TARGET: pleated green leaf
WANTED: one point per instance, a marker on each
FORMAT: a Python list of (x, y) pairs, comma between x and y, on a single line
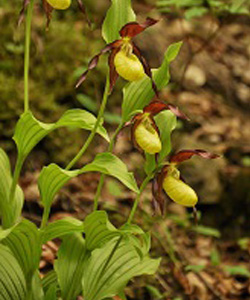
[(24, 242), (29, 131), (50, 181), (138, 94), (52, 178), (37, 290), (70, 265), (50, 285), (12, 279), (109, 164), (119, 14), (49, 280), (98, 230), (51, 293), (166, 122), (111, 267), (60, 228), (9, 214)]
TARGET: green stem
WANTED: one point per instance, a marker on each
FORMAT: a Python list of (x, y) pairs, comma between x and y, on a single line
[(7, 222), (137, 199), (85, 146), (45, 217), (101, 182), (27, 55), (17, 172), (93, 132)]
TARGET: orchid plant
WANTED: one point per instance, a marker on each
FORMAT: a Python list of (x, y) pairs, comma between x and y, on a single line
[(95, 259)]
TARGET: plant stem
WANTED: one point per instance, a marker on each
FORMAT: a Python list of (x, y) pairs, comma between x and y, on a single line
[(17, 171), (137, 199), (27, 55), (45, 217), (93, 132), (18, 167), (101, 182)]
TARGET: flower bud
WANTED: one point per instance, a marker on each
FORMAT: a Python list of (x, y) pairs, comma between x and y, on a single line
[(59, 4), (128, 66), (179, 191), (147, 137)]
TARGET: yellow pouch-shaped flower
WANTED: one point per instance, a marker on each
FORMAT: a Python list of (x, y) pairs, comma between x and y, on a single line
[(147, 137), (179, 191), (59, 4), (128, 66)]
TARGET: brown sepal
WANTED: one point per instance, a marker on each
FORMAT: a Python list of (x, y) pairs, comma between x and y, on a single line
[(22, 12), (83, 10), (136, 121), (146, 67), (157, 106), (187, 154), (113, 75), (48, 9), (133, 28), (94, 61), (157, 189)]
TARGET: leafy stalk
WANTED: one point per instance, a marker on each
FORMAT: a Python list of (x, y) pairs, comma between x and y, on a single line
[(93, 132), (27, 54), (85, 146), (20, 161), (137, 199), (101, 182)]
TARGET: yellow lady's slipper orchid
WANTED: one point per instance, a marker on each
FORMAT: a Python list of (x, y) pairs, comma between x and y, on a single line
[(59, 4), (170, 180), (147, 137), (128, 66), (125, 57), (179, 191)]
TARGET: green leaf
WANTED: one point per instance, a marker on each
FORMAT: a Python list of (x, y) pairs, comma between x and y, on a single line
[(9, 214), (195, 12), (154, 292), (52, 178), (206, 231), (50, 181), (244, 243), (37, 290), (50, 285), (69, 266), (60, 228), (110, 164), (111, 267), (237, 270), (131, 229), (29, 131), (5, 232), (194, 268), (98, 230), (12, 279), (49, 280), (138, 94), (215, 257), (24, 242), (119, 14), (166, 122), (51, 293)]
